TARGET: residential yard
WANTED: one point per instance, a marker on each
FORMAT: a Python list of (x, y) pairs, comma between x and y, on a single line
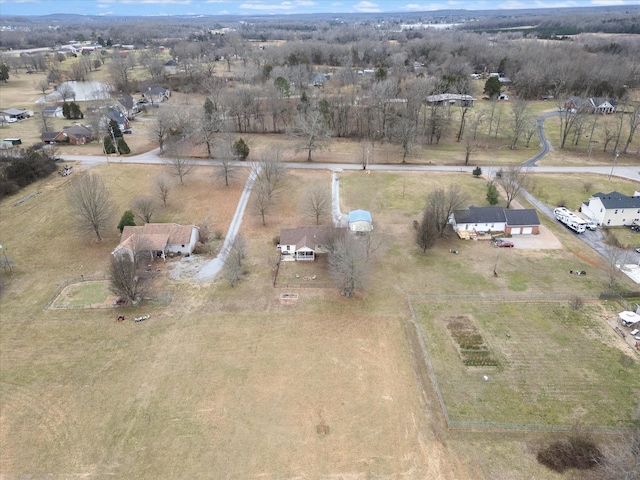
[(229, 379)]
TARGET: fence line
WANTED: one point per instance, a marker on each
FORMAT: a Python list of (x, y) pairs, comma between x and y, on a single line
[(411, 326), (515, 297), (71, 281)]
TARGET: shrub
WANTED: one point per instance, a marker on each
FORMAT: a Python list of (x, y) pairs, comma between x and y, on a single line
[(575, 452), (23, 167)]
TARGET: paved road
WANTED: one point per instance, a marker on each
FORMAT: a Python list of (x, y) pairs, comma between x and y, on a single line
[(212, 268)]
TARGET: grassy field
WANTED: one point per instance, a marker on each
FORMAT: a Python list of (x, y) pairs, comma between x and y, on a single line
[(552, 365)]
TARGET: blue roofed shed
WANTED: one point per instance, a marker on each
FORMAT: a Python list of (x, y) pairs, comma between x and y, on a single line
[(360, 221)]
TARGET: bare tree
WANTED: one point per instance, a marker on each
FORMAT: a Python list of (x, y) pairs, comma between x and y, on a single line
[(441, 203), (45, 126), (513, 180), (621, 459), (405, 133), (43, 85), (317, 202), (144, 208), (163, 187), (225, 170), (179, 165), (270, 177), (66, 92), (616, 258), (349, 264), (161, 127), (469, 143), (126, 280), (90, 201), (312, 131), (262, 201), (520, 117), (634, 121), (233, 264), (427, 230)]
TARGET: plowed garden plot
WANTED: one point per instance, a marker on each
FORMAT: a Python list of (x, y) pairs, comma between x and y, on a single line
[(553, 365)]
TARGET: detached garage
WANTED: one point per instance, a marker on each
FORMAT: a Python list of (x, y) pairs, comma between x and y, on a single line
[(522, 222)]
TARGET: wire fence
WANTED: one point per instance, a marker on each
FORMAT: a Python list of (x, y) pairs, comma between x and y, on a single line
[(72, 281), (423, 363)]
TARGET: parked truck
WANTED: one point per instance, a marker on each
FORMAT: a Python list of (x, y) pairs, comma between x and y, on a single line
[(570, 219)]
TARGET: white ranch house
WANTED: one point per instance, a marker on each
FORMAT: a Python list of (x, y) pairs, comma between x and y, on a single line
[(613, 209), (304, 243), (476, 221)]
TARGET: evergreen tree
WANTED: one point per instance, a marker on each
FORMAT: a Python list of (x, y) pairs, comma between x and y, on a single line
[(114, 129), (241, 149), (74, 111), (492, 194), (107, 144), (123, 148), (127, 220), (66, 110), (477, 172), (4, 73), (492, 87)]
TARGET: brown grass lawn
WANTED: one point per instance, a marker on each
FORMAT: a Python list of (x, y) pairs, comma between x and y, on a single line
[(230, 381)]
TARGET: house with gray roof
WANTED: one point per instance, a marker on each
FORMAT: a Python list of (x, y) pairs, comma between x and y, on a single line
[(481, 220), (304, 243), (613, 209)]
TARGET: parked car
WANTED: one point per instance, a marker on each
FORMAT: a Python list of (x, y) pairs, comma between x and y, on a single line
[(638, 249), (501, 242)]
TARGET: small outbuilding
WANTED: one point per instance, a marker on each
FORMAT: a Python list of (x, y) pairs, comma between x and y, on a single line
[(360, 221)]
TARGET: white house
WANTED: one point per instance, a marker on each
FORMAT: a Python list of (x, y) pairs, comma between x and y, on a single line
[(456, 99), (158, 239), (304, 243), (52, 111), (480, 220), (613, 209), (360, 221)]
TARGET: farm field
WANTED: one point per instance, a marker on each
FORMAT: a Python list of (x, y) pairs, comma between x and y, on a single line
[(546, 364), (232, 380)]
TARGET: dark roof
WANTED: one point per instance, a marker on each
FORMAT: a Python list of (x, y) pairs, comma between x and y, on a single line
[(171, 63), (157, 90), (522, 217), (49, 136), (517, 217), (617, 200), (127, 102), (53, 108), (115, 115), (480, 215), (78, 131)]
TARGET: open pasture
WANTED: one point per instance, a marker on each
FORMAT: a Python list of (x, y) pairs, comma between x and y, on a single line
[(553, 365)]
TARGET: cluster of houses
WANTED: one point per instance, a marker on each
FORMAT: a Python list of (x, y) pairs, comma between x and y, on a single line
[(121, 111), (603, 106)]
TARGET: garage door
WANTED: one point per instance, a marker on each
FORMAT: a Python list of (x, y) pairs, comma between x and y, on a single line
[(527, 230), (515, 231)]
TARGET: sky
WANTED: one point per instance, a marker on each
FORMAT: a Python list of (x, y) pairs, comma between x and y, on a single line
[(270, 7)]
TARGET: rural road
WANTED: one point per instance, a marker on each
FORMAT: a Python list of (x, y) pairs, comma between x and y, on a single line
[(211, 269)]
